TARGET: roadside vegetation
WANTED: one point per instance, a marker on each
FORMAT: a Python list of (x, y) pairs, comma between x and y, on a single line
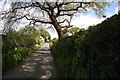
[(92, 53), (79, 53), (18, 45)]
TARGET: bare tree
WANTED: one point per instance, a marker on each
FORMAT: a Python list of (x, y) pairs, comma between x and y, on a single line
[(58, 14)]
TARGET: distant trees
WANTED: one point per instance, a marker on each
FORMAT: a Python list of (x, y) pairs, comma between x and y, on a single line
[(29, 30), (45, 35), (25, 37)]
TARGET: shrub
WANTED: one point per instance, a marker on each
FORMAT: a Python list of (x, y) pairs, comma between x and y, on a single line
[(98, 51), (64, 51), (10, 60), (94, 54)]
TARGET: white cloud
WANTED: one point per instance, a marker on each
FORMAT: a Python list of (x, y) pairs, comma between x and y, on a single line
[(85, 21), (4, 6), (53, 34), (109, 14), (117, 9)]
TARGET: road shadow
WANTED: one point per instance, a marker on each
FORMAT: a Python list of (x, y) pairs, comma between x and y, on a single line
[(40, 65)]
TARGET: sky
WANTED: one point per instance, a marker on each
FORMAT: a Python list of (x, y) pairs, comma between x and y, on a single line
[(86, 20), (82, 21)]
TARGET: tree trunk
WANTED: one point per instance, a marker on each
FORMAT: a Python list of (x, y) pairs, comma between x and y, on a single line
[(57, 26), (60, 34)]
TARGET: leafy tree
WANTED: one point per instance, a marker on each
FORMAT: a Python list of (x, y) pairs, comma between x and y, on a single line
[(30, 30), (66, 34), (54, 40), (54, 13), (45, 34), (8, 42), (73, 30)]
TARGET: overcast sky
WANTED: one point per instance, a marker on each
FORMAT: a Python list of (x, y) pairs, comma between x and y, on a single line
[(82, 21)]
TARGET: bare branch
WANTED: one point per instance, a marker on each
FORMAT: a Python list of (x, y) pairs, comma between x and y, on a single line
[(64, 21), (66, 26), (64, 15), (37, 20), (76, 9), (43, 7)]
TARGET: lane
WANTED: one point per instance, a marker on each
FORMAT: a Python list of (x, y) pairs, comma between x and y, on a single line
[(39, 65)]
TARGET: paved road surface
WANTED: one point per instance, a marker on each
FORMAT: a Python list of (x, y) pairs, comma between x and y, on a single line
[(39, 65)]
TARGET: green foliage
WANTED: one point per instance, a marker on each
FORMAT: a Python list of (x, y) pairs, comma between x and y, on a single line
[(10, 60), (65, 35), (51, 44), (45, 35), (8, 44), (61, 50), (54, 40), (74, 30), (94, 54), (17, 45), (30, 30)]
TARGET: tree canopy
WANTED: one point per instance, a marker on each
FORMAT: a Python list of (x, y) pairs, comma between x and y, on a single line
[(58, 14)]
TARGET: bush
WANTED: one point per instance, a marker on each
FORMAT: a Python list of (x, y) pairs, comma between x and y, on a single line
[(11, 60), (64, 51), (98, 51), (94, 54), (17, 45)]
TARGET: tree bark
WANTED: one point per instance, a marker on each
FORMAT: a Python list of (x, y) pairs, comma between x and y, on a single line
[(57, 26)]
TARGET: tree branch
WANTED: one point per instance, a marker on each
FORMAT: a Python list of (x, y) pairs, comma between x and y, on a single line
[(37, 20), (76, 9), (25, 16), (64, 15), (43, 7), (63, 21)]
